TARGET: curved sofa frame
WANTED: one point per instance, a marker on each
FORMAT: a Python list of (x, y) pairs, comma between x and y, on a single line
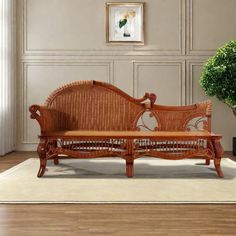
[(91, 119)]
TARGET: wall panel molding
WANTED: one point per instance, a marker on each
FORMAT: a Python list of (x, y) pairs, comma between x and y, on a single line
[(216, 19), (190, 37), (110, 49), (169, 63), (189, 82)]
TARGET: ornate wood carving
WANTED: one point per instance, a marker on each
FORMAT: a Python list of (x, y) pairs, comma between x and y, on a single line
[(147, 122), (42, 151), (218, 154)]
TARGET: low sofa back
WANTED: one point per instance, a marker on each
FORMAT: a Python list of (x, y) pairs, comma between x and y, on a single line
[(183, 118)]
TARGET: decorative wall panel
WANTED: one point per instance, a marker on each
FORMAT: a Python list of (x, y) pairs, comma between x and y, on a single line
[(211, 24), (78, 27), (163, 78)]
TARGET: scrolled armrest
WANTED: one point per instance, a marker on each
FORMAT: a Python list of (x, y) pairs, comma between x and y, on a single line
[(33, 110), (48, 119)]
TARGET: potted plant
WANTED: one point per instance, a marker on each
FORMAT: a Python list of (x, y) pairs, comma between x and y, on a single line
[(218, 77)]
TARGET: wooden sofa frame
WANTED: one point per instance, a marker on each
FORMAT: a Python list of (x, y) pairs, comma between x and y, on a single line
[(91, 119)]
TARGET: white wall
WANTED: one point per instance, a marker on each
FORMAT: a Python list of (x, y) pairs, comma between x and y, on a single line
[(64, 40)]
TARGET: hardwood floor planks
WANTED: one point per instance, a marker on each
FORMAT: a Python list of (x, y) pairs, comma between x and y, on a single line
[(117, 219)]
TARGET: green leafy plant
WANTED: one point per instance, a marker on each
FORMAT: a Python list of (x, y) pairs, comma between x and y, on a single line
[(122, 23), (218, 77)]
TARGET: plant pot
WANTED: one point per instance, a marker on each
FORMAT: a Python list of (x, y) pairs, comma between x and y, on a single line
[(234, 146)]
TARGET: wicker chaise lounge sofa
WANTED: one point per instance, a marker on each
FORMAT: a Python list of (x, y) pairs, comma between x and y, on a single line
[(91, 119)]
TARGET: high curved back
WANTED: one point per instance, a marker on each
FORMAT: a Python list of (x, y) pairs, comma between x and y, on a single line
[(94, 105)]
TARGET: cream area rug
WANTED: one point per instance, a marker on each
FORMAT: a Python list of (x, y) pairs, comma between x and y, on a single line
[(104, 181)]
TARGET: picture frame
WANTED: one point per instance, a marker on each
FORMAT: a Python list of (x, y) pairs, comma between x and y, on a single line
[(124, 23)]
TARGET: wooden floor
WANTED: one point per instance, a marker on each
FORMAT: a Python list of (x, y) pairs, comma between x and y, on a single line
[(113, 219)]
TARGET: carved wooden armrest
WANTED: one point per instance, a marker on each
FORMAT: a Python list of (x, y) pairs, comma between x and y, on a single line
[(48, 119)]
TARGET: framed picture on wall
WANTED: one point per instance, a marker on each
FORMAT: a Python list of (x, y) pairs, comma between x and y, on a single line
[(124, 23)]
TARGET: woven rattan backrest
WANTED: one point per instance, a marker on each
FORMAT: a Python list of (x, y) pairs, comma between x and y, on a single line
[(93, 105), (182, 118)]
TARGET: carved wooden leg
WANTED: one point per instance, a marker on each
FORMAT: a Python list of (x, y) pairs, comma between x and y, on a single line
[(130, 168), (55, 160), (43, 163), (218, 153), (129, 158), (209, 146), (218, 168), (207, 162), (42, 157)]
